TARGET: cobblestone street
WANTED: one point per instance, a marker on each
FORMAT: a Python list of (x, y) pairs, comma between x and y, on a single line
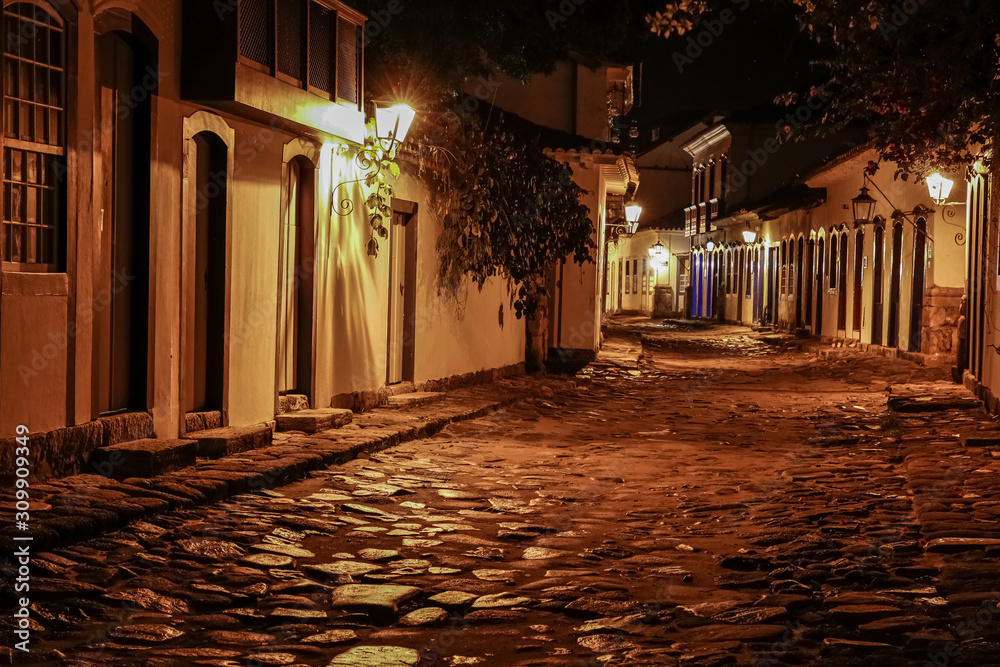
[(698, 496)]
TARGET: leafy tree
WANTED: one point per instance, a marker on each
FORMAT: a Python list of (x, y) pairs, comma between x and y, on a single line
[(508, 209), (920, 74)]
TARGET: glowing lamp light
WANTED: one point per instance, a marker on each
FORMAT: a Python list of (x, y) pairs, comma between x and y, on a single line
[(939, 188), (633, 212), (658, 252), (710, 246), (864, 206), (749, 236), (393, 123)]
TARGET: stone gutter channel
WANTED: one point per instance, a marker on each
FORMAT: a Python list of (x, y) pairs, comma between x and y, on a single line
[(72, 509)]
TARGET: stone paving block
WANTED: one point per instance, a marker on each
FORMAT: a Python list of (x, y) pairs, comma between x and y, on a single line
[(145, 458), (313, 421), (218, 442)]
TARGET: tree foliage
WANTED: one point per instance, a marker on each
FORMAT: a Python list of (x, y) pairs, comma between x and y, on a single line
[(920, 74), (508, 209), (453, 41)]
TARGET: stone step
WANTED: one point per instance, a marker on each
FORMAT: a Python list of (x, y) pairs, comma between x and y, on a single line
[(414, 399), (218, 442), (292, 403), (313, 421), (144, 458), (202, 421)]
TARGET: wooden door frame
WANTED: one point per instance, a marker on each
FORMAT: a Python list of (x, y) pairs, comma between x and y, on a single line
[(919, 270), (410, 210), (878, 284), (298, 149), (144, 44), (193, 125), (896, 286)]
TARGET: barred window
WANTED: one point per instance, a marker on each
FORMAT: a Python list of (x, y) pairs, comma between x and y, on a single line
[(349, 42), (291, 40), (311, 41), (257, 31), (34, 140), (320, 47)]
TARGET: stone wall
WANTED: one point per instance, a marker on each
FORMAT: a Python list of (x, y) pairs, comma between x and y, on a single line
[(940, 320)]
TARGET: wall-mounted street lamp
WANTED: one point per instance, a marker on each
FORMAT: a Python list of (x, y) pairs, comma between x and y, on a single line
[(710, 246), (939, 188), (863, 206), (626, 226), (749, 235), (376, 161), (658, 254), (392, 123)]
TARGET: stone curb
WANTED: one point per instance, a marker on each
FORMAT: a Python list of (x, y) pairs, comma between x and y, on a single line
[(70, 510)]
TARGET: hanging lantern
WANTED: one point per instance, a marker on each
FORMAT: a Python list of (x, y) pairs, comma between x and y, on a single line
[(864, 207)]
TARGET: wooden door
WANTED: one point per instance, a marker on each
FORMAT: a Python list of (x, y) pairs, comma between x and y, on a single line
[(917, 289), (878, 259), (842, 284), (859, 281), (205, 331), (402, 293), (820, 284), (295, 294), (895, 276), (799, 278), (808, 279), (121, 322)]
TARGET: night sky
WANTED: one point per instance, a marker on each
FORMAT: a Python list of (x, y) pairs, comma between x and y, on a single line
[(760, 54)]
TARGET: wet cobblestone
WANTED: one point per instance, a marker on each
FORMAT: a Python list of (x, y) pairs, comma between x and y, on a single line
[(680, 502)]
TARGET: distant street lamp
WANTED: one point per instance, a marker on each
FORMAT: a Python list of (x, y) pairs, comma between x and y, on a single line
[(864, 207), (710, 246), (749, 235), (939, 188), (658, 252)]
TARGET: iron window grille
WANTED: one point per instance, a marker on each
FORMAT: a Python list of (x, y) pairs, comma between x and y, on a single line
[(307, 43)]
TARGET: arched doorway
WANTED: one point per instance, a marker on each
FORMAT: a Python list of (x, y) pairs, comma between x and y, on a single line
[(878, 258), (809, 265), (895, 276), (842, 284), (741, 281), (205, 333), (709, 284), (917, 292), (799, 278), (758, 289), (297, 263), (772, 296), (125, 55), (859, 281), (695, 285), (820, 284)]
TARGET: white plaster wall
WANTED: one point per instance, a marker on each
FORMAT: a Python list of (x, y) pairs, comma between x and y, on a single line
[(455, 334)]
